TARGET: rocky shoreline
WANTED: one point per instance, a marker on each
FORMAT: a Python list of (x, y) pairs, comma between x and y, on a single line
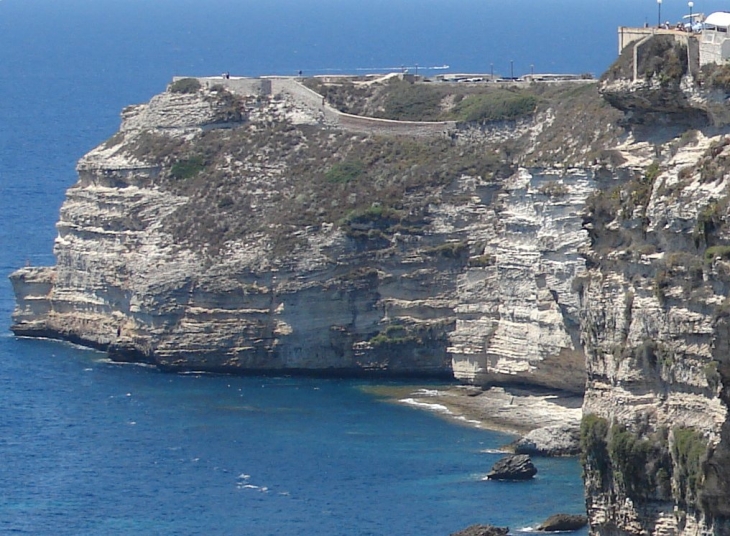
[(520, 411)]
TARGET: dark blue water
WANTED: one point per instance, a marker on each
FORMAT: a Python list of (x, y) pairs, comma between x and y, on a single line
[(92, 448)]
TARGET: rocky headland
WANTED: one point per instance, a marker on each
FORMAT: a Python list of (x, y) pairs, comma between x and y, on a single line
[(568, 237)]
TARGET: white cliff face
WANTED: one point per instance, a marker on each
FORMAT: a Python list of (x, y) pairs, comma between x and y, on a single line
[(516, 317), (655, 336), (203, 236), (478, 284)]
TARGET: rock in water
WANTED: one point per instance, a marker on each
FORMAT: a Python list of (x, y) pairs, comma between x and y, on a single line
[(482, 530), (563, 522), (513, 467)]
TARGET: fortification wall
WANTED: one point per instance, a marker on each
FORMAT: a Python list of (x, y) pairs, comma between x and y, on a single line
[(306, 98), (689, 40), (242, 86), (314, 103), (371, 125), (628, 36), (356, 123)]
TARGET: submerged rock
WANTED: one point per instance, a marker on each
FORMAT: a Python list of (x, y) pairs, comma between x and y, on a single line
[(482, 530), (513, 467)]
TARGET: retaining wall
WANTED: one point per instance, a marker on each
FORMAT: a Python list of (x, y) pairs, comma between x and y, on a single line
[(243, 86), (372, 125), (314, 103)]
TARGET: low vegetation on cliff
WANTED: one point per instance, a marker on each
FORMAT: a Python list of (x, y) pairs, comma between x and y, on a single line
[(372, 186), (662, 465)]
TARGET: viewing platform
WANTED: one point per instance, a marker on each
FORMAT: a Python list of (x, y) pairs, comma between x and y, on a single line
[(707, 39)]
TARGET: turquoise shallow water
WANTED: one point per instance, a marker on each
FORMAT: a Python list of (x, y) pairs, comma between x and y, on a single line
[(93, 448)]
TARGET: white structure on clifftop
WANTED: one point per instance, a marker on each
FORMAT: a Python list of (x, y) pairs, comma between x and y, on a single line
[(715, 41), (710, 45)]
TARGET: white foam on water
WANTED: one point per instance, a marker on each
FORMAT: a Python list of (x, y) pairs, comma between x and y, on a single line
[(493, 451), (427, 392), (439, 408), (107, 361), (470, 421)]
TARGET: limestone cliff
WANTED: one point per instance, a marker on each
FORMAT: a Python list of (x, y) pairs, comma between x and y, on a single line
[(531, 235), (654, 320), (245, 225)]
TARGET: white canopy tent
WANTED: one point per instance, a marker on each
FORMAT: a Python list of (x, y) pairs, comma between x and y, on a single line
[(719, 19)]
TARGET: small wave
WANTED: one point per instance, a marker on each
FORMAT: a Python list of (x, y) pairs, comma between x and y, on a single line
[(427, 392), (107, 361), (439, 408), (195, 373), (261, 489), (527, 529), (492, 451), (243, 476), (469, 421)]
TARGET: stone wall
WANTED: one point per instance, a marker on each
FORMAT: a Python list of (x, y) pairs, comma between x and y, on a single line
[(314, 105)]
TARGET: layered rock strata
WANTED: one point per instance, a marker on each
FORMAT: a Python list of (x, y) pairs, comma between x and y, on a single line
[(196, 238), (654, 326), (468, 275)]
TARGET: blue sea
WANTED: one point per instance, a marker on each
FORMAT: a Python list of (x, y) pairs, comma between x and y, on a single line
[(88, 447)]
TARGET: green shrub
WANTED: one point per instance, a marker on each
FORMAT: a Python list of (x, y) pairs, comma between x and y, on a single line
[(412, 102), (594, 447), (689, 450), (553, 189), (499, 105), (662, 281), (449, 250), (710, 220), (482, 261), (713, 252), (629, 458), (392, 335), (188, 168), (664, 59), (642, 187), (712, 375), (185, 85), (716, 76), (344, 171)]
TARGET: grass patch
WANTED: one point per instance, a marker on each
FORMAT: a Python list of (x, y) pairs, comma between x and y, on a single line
[(412, 102), (500, 105)]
